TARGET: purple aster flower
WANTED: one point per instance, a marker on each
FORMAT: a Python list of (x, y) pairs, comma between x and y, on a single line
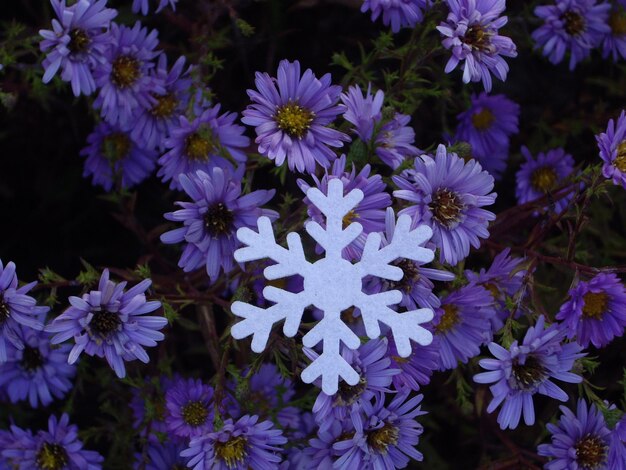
[(595, 311), (580, 441), (386, 436), (56, 448), (372, 364), (397, 13), (162, 456), (415, 370), (364, 112), (328, 446), (416, 284), (448, 194), (461, 325), (523, 370), (394, 141), (144, 6), (124, 78), (487, 126), (77, 42), (614, 43), (577, 25), (38, 372), (612, 145), (190, 409), (542, 175), (370, 212), (152, 395), (394, 138), (292, 121), (210, 140), (110, 323), (16, 308), (152, 126), (471, 32), (238, 445), (267, 394), (503, 279), (112, 156), (211, 220)]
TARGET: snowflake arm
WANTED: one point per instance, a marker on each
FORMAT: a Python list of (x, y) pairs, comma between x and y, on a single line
[(262, 244), (404, 326), (404, 244), (330, 365), (258, 322)]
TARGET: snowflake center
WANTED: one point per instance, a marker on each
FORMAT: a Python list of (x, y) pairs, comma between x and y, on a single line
[(410, 275), (595, 304), (573, 22), (294, 119), (529, 374), (478, 38), (31, 359), (115, 146), (198, 146), (104, 323), (381, 439), (5, 312), (446, 207), (617, 22), (620, 158), (218, 220), (195, 413), (483, 119), (543, 179), (334, 285), (349, 394), (124, 71), (51, 457), (233, 451), (165, 105), (79, 41), (449, 318), (590, 452)]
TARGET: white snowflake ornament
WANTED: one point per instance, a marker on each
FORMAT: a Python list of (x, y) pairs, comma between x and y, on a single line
[(333, 284)]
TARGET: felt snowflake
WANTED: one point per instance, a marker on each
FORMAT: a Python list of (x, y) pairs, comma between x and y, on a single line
[(333, 284)]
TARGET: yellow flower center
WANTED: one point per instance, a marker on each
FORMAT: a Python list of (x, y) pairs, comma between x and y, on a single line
[(446, 207), (5, 313), (115, 146), (79, 41), (198, 147), (620, 159), (477, 38), (165, 105), (348, 394), (51, 457), (232, 452), (449, 318), (349, 218), (528, 374), (483, 119), (617, 22), (195, 413), (124, 71), (591, 452), (381, 439), (543, 179), (595, 304), (218, 220), (574, 22), (104, 323), (294, 119)]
